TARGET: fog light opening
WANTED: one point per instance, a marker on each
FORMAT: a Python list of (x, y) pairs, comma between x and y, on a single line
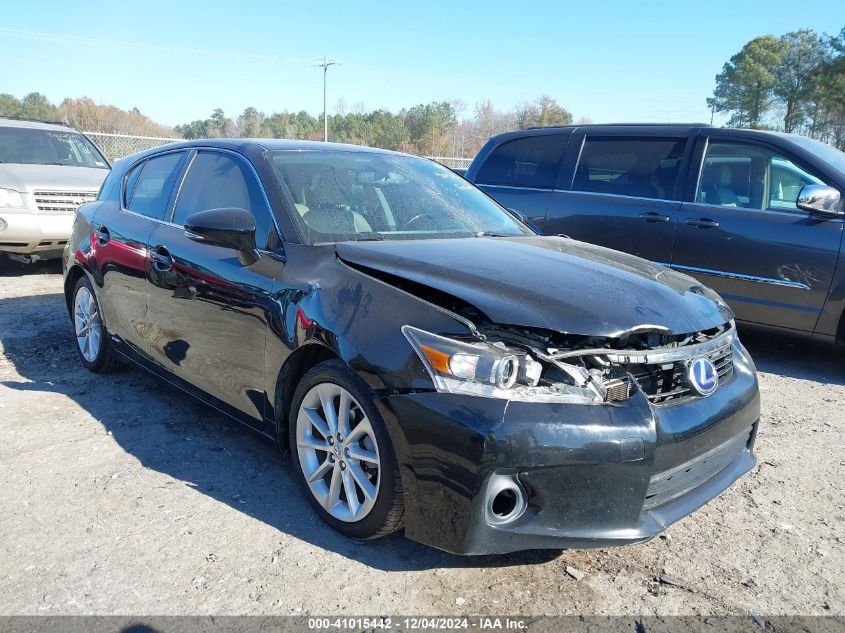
[(504, 504), (506, 500)]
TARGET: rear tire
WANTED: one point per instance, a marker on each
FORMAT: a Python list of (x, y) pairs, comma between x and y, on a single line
[(344, 459), (92, 339)]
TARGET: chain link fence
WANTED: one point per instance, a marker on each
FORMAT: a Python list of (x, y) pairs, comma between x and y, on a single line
[(452, 162), (116, 146)]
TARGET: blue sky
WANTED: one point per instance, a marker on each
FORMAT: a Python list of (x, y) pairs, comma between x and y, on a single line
[(176, 61)]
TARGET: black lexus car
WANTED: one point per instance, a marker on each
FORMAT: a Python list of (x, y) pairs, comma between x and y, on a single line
[(431, 362)]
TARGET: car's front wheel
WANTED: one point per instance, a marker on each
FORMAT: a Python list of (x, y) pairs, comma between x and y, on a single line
[(92, 340), (343, 453)]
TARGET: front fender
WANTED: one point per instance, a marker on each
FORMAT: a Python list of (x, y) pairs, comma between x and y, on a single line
[(356, 316)]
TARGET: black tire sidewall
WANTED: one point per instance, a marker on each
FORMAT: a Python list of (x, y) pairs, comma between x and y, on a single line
[(338, 373)]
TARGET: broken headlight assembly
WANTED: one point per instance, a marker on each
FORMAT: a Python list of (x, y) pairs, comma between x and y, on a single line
[(493, 370)]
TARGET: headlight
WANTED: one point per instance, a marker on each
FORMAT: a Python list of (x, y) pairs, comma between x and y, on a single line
[(10, 198), (491, 370)]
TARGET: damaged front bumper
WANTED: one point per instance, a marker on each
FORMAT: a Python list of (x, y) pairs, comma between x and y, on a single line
[(588, 475)]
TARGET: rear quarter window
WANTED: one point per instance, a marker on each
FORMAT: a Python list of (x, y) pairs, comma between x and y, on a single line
[(151, 193), (131, 179), (533, 161)]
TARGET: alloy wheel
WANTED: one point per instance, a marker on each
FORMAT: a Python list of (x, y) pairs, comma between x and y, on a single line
[(87, 324), (338, 452)]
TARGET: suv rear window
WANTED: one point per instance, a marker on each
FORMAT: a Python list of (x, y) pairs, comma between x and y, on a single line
[(637, 167), (532, 161)]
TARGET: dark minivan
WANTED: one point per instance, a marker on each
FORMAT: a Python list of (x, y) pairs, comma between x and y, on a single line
[(755, 215)]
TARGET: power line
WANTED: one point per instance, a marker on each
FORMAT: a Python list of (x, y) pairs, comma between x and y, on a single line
[(165, 48)]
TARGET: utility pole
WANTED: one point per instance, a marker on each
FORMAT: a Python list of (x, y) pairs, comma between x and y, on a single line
[(325, 63)]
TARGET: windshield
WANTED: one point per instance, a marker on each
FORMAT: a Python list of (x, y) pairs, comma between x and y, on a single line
[(30, 146), (343, 196), (828, 153)]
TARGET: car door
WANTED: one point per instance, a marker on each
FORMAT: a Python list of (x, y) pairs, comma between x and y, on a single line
[(208, 312), (621, 191), (520, 173), (742, 234), (121, 234)]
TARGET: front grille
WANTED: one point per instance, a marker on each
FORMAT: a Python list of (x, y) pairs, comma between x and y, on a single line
[(62, 201), (667, 383), (672, 483)]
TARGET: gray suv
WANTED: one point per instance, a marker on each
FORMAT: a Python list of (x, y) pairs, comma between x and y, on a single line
[(46, 171)]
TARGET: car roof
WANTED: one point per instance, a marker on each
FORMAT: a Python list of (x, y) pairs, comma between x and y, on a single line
[(242, 144), (10, 121), (646, 129), (604, 128), (251, 146)]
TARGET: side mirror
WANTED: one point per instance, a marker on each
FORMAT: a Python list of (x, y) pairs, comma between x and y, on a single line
[(229, 228), (819, 200)]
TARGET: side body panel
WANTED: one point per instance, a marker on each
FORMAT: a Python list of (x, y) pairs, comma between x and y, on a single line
[(831, 324), (119, 262), (208, 317)]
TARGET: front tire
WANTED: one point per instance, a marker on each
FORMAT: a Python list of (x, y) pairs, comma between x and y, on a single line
[(92, 339), (343, 454)]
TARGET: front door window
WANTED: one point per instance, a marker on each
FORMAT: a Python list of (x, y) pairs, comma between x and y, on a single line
[(750, 177)]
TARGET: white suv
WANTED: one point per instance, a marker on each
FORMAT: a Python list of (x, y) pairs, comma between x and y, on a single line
[(46, 171)]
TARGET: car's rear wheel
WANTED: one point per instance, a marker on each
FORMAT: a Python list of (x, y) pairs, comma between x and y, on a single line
[(343, 454), (92, 341)]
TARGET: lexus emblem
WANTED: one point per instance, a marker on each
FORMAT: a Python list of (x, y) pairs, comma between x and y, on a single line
[(702, 376)]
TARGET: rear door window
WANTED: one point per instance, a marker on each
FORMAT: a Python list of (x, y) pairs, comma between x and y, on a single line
[(626, 166), (151, 193), (533, 161)]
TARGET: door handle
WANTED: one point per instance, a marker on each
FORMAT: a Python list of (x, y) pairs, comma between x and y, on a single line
[(161, 259), (702, 223), (102, 233), (651, 216)]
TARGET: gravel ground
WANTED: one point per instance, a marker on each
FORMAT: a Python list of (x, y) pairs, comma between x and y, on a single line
[(121, 495)]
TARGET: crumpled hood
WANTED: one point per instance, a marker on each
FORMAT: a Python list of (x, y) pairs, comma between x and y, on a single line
[(29, 178), (549, 282)]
